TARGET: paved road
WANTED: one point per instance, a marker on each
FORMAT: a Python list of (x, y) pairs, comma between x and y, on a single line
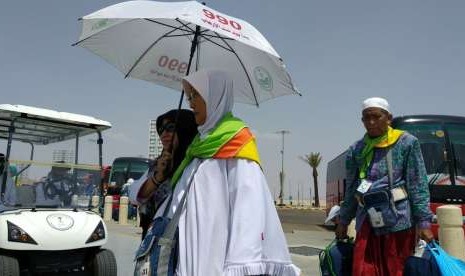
[(304, 234), (301, 219)]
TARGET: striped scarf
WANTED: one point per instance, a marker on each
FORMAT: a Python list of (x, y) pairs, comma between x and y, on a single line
[(389, 138), (231, 138)]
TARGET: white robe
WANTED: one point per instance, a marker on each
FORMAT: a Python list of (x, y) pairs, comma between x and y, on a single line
[(229, 225)]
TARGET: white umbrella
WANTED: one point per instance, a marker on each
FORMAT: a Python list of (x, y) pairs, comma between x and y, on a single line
[(160, 41)]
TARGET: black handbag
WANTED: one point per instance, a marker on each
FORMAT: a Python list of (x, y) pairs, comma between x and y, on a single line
[(336, 258), (424, 266), (379, 204), (380, 208)]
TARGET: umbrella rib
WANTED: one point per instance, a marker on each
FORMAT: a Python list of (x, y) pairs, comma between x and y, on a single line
[(217, 44), (243, 67), (214, 36), (189, 28), (147, 50), (178, 35), (147, 19), (171, 26), (205, 34)]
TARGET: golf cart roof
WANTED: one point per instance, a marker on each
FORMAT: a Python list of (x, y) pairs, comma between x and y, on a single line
[(44, 126)]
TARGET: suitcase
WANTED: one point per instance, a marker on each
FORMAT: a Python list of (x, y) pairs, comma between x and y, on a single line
[(336, 258)]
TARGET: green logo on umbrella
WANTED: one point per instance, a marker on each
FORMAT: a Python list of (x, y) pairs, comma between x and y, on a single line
[(100, 24), (263, 78)]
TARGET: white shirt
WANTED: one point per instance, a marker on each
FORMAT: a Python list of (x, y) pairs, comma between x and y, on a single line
[(229, 225)]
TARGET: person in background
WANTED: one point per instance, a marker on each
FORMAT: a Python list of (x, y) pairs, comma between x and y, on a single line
[(228, 224), (88, 184), (390, 213), (333, 215), (56, 188), (126, 187), (146, 192)]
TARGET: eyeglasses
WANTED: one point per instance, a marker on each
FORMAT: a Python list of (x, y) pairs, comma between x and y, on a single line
[(372, 117), (170, 127)]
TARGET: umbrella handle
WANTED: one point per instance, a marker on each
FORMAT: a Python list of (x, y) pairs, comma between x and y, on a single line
[(193, 47)]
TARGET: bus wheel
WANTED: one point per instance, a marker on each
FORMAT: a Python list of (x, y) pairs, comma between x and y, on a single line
[(9, 266), (104, 263)]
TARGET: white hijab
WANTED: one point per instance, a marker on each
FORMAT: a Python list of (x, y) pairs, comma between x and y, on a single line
[(216, 88)]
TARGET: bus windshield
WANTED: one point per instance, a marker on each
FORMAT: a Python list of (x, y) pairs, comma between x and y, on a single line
[(124, 168), (443, 147)]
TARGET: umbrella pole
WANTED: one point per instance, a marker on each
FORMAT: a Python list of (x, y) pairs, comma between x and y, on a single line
[(193, 47)]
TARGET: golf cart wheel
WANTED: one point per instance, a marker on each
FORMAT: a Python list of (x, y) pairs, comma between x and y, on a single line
[(9, 266), (104, 263)]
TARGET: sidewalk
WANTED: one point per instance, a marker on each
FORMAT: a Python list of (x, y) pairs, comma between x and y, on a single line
[(308, 244), (303, 245)]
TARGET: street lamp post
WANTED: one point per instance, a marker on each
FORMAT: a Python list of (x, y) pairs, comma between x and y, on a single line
[(281, 174)]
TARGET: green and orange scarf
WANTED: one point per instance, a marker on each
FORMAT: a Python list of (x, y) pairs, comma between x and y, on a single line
[(231, 138)]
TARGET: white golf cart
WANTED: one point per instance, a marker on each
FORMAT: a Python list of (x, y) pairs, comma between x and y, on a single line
[(49, 219)]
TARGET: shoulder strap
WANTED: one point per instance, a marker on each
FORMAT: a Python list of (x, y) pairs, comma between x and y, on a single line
[(389, 167), (173, 224), (167, 240), (168, 205)]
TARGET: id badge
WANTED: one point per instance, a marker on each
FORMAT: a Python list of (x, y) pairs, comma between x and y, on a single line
[(364, 186)]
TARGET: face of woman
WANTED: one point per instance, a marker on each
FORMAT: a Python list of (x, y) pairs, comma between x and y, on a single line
[(166, 132), (197, 104), (376, 121)]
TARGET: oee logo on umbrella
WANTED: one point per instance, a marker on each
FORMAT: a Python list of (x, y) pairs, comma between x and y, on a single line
[(172, 64)]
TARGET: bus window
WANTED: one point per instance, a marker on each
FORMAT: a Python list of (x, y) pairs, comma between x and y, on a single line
[(433, 147), (124, 168), (457, 139), (137, 169)]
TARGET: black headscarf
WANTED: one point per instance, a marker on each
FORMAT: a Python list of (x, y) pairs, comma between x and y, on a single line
[(186, 129)]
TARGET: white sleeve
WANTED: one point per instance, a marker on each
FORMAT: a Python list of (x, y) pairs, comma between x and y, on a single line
[(257, 242)]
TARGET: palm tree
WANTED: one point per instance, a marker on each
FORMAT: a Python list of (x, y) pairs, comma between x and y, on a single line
[(314, 159)]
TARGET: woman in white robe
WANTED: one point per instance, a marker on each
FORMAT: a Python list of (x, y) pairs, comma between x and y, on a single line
[(229, 224)]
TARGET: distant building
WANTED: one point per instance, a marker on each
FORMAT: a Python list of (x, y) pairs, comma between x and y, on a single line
[(155, 146)]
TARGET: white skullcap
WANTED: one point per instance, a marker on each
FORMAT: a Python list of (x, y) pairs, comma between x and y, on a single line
[(334, 212), (376, 102)]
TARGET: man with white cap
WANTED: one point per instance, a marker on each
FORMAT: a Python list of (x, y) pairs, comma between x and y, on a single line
[(387, 192), (333, 216)]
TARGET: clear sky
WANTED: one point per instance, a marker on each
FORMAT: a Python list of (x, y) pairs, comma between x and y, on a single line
[(338, 52)]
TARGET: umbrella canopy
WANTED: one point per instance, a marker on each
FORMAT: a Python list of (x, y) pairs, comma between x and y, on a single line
[(160, 42)]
